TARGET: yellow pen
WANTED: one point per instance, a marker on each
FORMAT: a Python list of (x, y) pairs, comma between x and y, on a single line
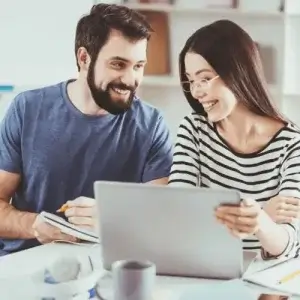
[(63, 208), (289, 277)]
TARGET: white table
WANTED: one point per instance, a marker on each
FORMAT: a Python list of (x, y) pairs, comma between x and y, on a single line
[(28, 262)]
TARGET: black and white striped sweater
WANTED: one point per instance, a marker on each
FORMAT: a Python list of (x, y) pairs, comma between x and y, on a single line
[(203, 158)]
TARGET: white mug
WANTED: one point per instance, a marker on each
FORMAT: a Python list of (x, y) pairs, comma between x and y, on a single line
[(133, 279)]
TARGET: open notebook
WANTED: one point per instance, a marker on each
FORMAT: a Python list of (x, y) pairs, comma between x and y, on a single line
[(69, 228), (258, 264), (270, 276)]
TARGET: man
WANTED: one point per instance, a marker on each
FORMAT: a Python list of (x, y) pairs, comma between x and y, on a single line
[(55, 142)]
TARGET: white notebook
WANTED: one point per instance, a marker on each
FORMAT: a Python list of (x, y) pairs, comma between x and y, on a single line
[(69, 228), (270, 277), (258, 264)]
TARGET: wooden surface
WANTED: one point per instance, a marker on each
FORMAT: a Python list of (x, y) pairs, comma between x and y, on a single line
[(158, 47)]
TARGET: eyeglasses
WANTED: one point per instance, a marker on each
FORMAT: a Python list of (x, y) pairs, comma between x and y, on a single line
[(203, 84)]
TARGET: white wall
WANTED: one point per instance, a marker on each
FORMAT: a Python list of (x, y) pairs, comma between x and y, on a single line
[(291, 108), (275, 32), (39, 42), (171, 102)]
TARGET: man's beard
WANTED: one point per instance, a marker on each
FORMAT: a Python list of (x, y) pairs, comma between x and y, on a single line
[(103, 98)]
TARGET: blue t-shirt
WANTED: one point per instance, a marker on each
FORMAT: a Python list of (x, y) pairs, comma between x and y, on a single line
[(60, 152)]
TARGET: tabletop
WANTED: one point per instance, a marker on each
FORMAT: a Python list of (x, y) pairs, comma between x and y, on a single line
[(25, 263)]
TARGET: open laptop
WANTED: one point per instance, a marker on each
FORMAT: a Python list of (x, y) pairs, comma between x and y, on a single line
[(174, 227)]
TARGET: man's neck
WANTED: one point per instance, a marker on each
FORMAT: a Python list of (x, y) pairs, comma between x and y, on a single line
[(81, 98)]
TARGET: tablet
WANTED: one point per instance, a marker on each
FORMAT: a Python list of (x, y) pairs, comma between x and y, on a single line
[(174, 227)]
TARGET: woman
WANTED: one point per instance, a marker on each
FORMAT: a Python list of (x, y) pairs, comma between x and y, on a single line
[(237, 139)]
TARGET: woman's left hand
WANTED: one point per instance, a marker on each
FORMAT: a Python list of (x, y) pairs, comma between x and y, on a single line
[(242, 220)]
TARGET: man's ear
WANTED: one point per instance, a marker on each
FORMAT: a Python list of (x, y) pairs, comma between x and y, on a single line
[(83, 59)]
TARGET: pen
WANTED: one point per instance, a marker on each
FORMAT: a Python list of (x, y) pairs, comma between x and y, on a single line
[(63, 208), (289, 277)]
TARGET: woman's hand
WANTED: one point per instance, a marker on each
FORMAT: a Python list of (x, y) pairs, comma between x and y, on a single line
[(249, 218), (282, 209), (242, 220)]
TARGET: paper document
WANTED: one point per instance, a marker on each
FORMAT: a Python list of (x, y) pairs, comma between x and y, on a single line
[(69, 228), (271, 277), (258, 264)]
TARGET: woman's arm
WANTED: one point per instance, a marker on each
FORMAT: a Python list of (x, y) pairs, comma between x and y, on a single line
[(185, 166), (289, 187), (282, 209), (277, 240), (248, 219)]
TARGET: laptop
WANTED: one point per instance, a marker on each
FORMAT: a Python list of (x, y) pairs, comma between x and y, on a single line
[(174, 227)]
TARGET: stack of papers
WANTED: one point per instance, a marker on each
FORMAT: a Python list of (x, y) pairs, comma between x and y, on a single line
[(271, 276), (69, 228), (258, 264)]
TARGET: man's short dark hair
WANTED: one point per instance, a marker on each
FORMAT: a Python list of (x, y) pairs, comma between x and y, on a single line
[(93, 30)]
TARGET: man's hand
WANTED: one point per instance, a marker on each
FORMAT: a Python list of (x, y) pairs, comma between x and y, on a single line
[(282, 209), (82, 212), (46, 233), (272, 297), (242, 220)]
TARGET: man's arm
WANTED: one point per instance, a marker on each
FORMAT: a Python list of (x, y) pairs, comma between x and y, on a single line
[(14, 224)]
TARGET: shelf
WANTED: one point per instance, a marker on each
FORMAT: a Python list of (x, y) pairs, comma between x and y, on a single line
[(150, 7), (292, 95), (148, 81), (6, 88), (170, 8), (163, 80), (173, 81), (22, 88)]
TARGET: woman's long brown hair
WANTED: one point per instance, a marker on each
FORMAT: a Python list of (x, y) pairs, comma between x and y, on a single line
[(235, 57)]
